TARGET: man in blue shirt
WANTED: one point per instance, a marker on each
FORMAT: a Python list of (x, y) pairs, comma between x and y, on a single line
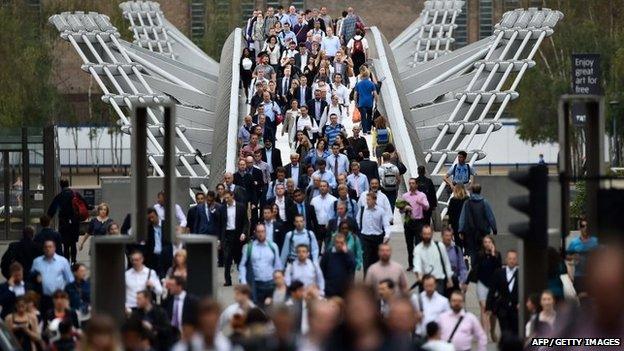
[(578, 251), (260, 260), (299, 235), (54, 271), (461, 172), (365, 95)]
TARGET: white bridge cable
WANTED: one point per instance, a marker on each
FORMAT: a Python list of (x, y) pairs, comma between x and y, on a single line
[(443, 18), (94, 29)]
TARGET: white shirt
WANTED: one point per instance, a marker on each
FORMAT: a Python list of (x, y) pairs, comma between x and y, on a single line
[(18, 289), (231, 217), (197, 342), (364, 43), (294, 174), (229, 312), (323, 207), (509, 273), (382, 202), (431, 308), (438, 345), (180, 216), (305, 121), (340, 111), (281, 206), (374, 222), (427, 260), (343, 163), (343, 94), (179, 301), (308, 273), (358, 182), (330, 45), (137, 281)]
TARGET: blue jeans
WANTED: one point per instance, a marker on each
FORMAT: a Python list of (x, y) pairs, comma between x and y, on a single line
[(261, 290), (366, 114)]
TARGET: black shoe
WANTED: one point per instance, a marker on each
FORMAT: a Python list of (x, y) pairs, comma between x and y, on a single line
[(409, 269), (227, 284)]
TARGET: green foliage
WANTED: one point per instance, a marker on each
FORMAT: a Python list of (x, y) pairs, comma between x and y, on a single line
[(578, 205), (588, 27), (26, 96)]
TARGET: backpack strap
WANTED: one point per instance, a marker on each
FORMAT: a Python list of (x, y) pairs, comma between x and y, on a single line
[(436, 243)]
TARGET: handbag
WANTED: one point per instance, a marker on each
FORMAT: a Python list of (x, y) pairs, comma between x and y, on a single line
[(279, 119), (357, 117)]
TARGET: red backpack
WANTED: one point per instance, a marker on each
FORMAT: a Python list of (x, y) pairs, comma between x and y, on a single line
[(80, 207), (357, 46)]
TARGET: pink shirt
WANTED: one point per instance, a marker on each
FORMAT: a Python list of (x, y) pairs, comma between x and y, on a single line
[(468, 329), (418, 202)]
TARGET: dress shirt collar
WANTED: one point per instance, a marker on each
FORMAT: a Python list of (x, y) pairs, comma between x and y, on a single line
[(181, 296), (50, 259), (232, 205)]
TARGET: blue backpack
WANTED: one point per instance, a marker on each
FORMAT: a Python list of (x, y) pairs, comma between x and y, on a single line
[(383, 137)]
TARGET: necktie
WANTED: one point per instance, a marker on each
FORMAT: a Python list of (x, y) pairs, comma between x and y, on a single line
[(175, 321), (285, 87), (335, 165), (207, 214)]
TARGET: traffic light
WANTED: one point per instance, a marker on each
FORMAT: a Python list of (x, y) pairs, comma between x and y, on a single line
[(534, 205)]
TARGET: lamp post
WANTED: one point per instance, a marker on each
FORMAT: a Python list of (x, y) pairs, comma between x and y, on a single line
[(615, 138)]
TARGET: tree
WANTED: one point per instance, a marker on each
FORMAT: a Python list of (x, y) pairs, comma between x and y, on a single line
[(26, 96), (588, 27)]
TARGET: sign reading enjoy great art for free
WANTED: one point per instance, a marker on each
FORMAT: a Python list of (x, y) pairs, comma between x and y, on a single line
[(586, 74)]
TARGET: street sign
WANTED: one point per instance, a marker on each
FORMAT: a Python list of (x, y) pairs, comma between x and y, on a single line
[(586, 74)]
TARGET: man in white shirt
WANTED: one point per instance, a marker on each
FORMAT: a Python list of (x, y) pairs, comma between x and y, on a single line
[(341, 91), (382, 199), (431, 303), (330, 44), (242, 304), (305, 270), (160, 209), (323, 205), (140, 278), (357, 180), (374, 227), (430, 258)]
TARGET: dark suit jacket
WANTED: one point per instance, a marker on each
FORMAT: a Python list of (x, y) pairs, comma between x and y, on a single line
[(208, 225), (191, 219), (289, 203), (292, 210), (332, 225), (7, 298), (242, 222), (499, 299), (312, 109), (280, 87), (246, 181), (308, 93), (167, 249), (370, 169), (276, 159), (161, 325), (301, 31), (288, 169), (279, 233), (427, 187), (23, 251), (189, 308)]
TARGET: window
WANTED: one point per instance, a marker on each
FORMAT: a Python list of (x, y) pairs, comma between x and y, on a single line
[(198, 20), (461, 32), (510, 5)]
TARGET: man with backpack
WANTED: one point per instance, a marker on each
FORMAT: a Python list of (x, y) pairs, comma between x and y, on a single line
[(476, 221), (358, 48), (72, 209), (299, 236), (390, 178), (260, 259), (461, 172)]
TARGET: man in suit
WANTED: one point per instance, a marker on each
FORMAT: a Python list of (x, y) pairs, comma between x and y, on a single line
[(316, 107), (156, 317), (158, 247), (502, 298), (300, 206), (274, 227), (369, 168), (341, 216), (181, 307), (23, 251), (208, 220), (233, 233), (303, 94), (425, 185), (244, 178), (237, 190), (272, 156), (283, 86), (192, 214)]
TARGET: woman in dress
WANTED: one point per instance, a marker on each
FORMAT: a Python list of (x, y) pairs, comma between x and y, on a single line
[(456, 203), (23, 325), (487, 262), (247, 66), (97, 225)]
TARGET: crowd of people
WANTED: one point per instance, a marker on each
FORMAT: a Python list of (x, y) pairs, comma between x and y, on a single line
[(297, 234)]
